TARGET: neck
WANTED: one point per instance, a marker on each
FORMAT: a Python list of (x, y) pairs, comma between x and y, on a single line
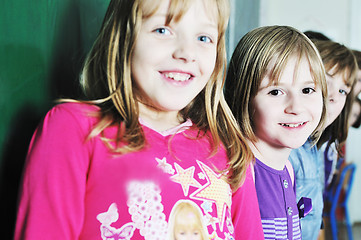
[(158, 120), (274, 157)]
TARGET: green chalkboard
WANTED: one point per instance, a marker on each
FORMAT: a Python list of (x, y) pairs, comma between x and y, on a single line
[(42, 46)]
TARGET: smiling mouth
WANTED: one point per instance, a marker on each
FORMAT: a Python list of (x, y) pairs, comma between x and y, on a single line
[(292, 125), (179, 77)]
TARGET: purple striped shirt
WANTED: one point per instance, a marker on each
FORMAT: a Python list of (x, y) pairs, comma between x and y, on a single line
[(277, 202)]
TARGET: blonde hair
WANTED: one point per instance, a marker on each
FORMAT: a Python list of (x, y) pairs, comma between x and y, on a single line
[(358, 57), (180, 219), (339, 59), (106, 79), (251, 61)]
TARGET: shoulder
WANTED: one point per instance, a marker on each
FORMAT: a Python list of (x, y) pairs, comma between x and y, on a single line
[(306, 153), (79, 112), (68, 118)]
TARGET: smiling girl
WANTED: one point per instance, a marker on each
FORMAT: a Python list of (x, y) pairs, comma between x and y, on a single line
[(276, 89), (155, 131), (310, 161)]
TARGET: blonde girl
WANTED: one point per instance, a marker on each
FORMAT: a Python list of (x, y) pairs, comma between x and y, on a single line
[(276, 89), (154, 129), (186, 222)]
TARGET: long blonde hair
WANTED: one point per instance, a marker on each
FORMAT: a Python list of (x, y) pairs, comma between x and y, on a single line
[(107, 82), (251, 62), (186, 215)]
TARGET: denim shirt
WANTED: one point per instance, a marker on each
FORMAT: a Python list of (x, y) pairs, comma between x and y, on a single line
[(308, 164)]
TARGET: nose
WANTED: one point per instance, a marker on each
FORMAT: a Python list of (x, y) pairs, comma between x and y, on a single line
[(185, 50), (294, 104), (332, 92)]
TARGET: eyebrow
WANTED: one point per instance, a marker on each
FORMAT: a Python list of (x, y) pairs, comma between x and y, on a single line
[(310, 82)]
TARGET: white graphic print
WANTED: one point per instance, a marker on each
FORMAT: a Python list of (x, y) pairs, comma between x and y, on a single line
[(110, 233), (145, 207), (201, 185), (166, 167)]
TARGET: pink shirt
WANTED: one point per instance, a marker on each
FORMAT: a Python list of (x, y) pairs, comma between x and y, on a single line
[(74, 188)]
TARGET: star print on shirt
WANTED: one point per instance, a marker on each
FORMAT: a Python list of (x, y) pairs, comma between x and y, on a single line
[(216, 190), (185, 178), (166, 167)]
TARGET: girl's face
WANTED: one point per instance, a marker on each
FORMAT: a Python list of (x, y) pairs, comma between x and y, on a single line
[(172, 63), (286, 114), (187, 226), (337, 94), (188, 234), (355, 112), (357, 87)]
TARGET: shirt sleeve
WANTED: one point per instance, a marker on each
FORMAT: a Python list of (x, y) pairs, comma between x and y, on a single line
[(51, 204), (245, 210)]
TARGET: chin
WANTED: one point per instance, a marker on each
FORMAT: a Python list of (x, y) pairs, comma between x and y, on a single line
[(294, 145)]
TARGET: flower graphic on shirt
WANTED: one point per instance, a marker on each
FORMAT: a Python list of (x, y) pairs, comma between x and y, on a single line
[(201, 176), (207, 206), (146, 209)]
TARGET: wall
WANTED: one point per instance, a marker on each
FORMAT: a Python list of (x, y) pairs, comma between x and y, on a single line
[(42, 45), (354, 138), (317, 15), (244, 17), (341, 21)]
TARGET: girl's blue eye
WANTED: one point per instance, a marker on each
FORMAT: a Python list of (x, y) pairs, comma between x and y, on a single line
[(343, 92), (205, 39), (308, 90), (162, 31)]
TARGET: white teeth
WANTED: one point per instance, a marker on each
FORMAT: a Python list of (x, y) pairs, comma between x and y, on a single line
[(180, 77), (292, 125)]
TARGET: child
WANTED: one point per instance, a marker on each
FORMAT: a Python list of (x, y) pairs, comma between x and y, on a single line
[(275, 87), (341, 66), (357, 87), (186, 222), (355, 115), (155, 131), (308, 160)]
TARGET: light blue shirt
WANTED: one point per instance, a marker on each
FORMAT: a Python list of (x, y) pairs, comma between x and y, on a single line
[(308, 164)]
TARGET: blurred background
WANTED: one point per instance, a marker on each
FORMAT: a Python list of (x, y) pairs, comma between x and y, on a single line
[(43, 44)]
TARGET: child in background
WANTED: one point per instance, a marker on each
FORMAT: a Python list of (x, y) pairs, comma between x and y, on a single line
[(341, 67), (355, 115), (308, 160), (355, 119), (275, 87), (357, 87), (156, 130)]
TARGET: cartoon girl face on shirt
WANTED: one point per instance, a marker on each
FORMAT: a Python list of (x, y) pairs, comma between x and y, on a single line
[(186, 222)]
